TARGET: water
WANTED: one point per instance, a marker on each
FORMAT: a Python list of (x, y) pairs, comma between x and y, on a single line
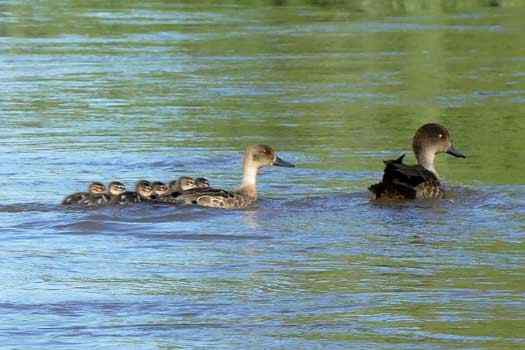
[(155, 90)]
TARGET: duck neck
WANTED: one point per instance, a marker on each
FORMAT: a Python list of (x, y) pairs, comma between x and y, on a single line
[(426, 160), (249, 179)]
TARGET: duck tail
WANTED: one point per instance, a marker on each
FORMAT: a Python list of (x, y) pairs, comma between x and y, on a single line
[(395, 161)]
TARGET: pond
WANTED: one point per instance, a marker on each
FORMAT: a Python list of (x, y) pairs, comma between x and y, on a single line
[(130, 90)]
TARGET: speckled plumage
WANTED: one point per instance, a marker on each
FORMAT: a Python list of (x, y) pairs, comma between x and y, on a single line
[(214, 198), (96, 200), (75, 198), (127, 198), (95, 189), (255, 157)]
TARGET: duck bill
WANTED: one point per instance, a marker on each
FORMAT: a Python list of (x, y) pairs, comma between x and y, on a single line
[(454, 152), (279, 162)]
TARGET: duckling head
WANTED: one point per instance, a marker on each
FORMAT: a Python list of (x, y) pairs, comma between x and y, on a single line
[(201, 182), (183, 183), (432, 139), (144, 189), (160, 188), (96, 188), (116, 188), (258, 156)]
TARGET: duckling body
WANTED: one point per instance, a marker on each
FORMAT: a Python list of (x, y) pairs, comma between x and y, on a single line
[(128, 197), (143, 192), (177, 187), (115, 189), (420, 181), (82, 198), (75, 198), (255, 157), (96, 200)]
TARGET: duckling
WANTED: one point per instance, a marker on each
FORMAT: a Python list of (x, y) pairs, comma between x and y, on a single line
[(201, 182), (175, 188), (110, 196), (183, 183), (143, 192), (77, 198), (115, 190), (159, 189), (255, 157), (420, 181)]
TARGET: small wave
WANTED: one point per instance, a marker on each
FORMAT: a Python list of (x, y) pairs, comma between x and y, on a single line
[(27, 207)]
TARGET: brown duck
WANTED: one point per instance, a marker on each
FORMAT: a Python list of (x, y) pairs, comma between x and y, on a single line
[(420, 181), (143, 192), (255, 157), (78, 198)]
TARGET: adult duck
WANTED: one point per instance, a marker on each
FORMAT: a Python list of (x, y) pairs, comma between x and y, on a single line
[(255, 157), (419, 181)]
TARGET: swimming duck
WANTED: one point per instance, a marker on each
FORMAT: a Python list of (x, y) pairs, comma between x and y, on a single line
[(95, 188), (110, 196), (420, 181), (177, 187), (255, 157), (143, 192), (115, 190)]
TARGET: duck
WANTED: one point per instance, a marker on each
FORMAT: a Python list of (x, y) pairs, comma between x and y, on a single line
[(143, 192), (160, 189), (109, 197), (183, 183), (202, 182), (177, 187), (94, 188), (255, 157), (115, 190), (420, 181)]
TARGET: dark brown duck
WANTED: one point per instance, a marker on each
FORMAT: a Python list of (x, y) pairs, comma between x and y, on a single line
[(420, 181)]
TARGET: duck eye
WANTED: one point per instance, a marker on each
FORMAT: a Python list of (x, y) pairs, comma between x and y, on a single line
[(440, 136)]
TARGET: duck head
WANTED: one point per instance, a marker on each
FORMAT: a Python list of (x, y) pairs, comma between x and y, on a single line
[(255, 157), (432, 139), (201, 182), (160, 188), (183, 183), (258, 156), (144, 189), (116, 188), (96, 188)]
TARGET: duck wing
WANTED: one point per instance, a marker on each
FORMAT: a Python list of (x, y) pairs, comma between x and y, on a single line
[(401, 181), (209, 197)]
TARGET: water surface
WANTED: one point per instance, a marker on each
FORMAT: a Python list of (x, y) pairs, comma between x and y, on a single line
[(155, 90)]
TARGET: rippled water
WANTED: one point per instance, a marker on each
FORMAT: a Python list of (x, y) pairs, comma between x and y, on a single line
[(155, 90)]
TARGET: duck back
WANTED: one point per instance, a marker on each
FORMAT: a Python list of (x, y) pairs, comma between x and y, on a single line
[(208, 197), (126, 198), (75, 198), (401, 181)]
